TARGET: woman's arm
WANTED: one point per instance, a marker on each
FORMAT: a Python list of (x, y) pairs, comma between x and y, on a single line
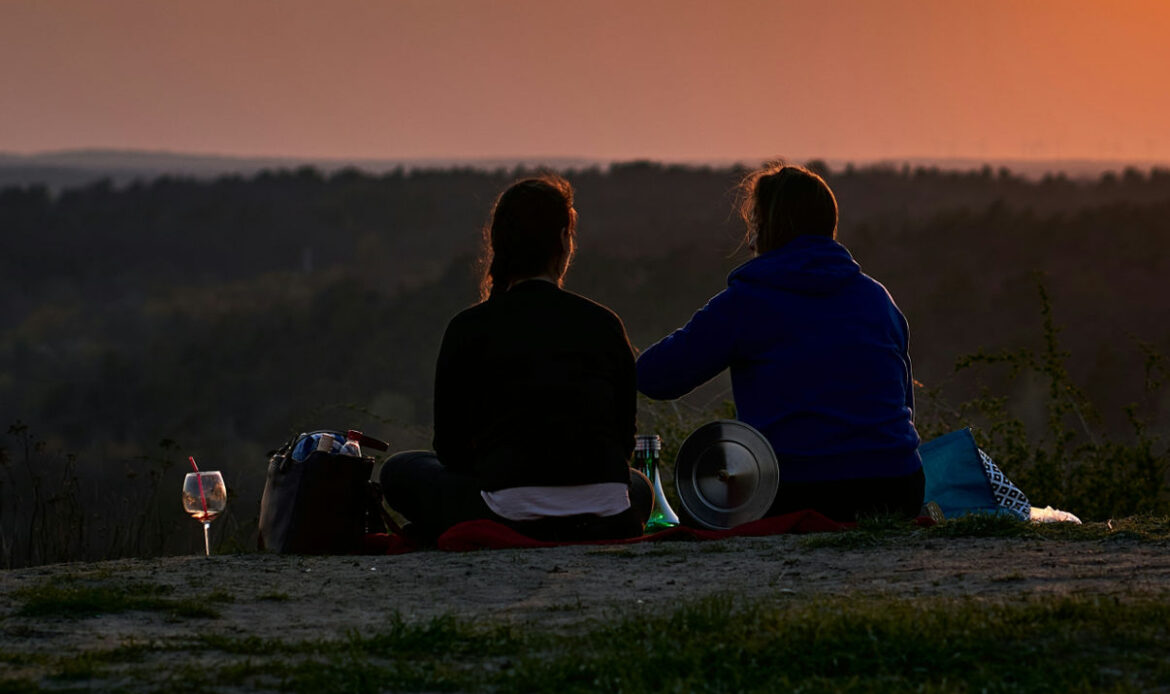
[(691, 355)]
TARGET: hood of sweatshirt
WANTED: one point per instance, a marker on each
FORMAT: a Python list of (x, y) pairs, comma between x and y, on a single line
[(805, 265)]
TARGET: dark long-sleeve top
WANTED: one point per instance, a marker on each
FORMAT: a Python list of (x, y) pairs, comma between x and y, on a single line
[(819, 361), (536, 387)]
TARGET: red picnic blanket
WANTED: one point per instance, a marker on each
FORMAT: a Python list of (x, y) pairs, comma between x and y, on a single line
[(486, 534)]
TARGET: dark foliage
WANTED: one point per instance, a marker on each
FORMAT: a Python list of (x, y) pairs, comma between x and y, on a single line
[(225, 315)]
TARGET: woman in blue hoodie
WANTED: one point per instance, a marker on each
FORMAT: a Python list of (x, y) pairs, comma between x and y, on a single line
[(818, 353)]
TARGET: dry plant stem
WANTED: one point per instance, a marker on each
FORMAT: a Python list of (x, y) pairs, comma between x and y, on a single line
[(1081, 418)]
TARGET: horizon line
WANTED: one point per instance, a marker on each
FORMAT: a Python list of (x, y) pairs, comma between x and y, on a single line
[(728, 159)]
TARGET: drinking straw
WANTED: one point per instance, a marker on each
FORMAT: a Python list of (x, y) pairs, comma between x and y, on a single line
[(199, 479)]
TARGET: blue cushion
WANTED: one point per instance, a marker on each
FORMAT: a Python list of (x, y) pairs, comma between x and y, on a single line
[(954, 475)]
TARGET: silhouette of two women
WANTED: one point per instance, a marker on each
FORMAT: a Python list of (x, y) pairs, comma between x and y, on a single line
[(535, 414)]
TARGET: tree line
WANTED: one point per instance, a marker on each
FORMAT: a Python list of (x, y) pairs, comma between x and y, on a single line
[(221, 316)]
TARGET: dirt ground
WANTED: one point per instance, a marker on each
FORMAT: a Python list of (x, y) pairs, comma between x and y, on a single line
[(295, 597)]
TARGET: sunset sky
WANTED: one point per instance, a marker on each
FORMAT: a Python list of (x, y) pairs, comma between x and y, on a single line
[(663, 79)]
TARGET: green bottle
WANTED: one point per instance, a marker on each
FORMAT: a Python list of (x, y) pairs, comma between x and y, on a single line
[(647, 453)]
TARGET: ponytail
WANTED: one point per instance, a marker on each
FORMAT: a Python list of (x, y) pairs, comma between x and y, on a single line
[(496, 280)]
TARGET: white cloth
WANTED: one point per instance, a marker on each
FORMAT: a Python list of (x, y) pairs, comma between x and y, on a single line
[(1053, 515), (534, 503)]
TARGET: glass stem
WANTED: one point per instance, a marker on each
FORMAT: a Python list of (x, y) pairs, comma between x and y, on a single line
[(206, 539)]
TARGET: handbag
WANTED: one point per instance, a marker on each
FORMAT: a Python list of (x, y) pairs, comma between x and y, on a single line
[(962, 479), (318, 496)]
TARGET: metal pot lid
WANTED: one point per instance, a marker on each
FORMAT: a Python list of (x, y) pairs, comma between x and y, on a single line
[(726, 474)]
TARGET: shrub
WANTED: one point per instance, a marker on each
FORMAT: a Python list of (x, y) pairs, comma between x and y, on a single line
[(1070, 463)]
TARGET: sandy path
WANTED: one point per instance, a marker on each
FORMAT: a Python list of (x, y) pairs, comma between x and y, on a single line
[(330, 596)]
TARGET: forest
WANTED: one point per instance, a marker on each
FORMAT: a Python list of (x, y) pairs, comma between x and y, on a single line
[(145, 322)]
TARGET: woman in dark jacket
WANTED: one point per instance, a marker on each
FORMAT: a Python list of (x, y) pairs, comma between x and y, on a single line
[(534, 394), (818, 353)]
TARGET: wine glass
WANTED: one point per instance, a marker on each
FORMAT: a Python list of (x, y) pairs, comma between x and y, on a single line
[(204, 497)]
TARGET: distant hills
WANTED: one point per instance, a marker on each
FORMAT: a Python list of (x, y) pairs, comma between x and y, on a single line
[(71, 168), (68, 168)]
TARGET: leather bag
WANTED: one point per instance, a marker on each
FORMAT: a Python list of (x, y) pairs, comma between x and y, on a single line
[(318, 500)]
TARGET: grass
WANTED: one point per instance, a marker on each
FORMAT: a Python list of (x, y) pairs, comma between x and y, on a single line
[(71, 598), (853, 644), (879, 532)]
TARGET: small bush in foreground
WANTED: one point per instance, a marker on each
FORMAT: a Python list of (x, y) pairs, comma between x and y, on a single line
[(1069, 464)]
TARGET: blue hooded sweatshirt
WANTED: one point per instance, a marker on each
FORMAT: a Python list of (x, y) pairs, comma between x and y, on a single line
[(819, 362)]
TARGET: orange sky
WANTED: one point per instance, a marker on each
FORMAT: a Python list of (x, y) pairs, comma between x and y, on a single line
[(665, 79)]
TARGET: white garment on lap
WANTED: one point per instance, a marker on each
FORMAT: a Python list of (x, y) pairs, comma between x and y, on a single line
[(534, 503)]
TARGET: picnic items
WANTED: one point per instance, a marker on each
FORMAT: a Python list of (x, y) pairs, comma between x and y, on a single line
[(204, 498), (726, 474), (318, 497), (961, 478), (647, 453)]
